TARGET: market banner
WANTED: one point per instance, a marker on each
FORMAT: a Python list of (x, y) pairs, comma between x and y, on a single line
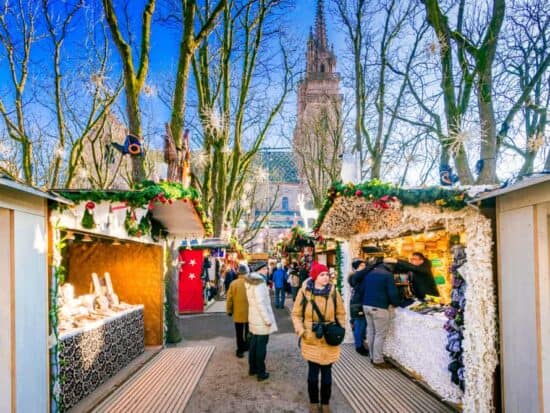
[(190, 283)]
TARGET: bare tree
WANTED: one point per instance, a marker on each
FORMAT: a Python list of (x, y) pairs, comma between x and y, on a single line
[(17, 36), (524, 52), (379, 93), (195, 27), (235, 109), (319, 148), (134, 80)]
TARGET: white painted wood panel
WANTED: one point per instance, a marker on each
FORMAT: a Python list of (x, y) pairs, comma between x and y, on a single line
[(518, 310), (31, 310), (543, 258), (5, 312)]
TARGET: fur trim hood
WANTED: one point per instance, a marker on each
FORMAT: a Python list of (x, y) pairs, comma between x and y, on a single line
[(254, 278)]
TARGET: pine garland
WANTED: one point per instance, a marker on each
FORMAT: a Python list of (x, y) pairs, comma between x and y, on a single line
[(376, 190), (144, 196)]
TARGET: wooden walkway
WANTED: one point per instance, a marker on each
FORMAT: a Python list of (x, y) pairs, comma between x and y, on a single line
[(370, 390), (164, 385)]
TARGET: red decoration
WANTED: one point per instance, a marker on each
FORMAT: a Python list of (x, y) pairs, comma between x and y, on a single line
[(90, 205), (358, 193), (383, 202), (190, 282)]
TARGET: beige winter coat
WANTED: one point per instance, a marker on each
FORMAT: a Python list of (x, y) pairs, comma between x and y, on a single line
[(261, 320), (237, 303), (313, 348)]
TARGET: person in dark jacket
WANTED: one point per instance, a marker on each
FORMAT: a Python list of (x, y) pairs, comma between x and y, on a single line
[(420, 274), (379, 291), (356, 313)]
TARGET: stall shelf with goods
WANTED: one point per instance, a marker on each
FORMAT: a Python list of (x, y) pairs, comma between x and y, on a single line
[(112, 267), (450, 342)]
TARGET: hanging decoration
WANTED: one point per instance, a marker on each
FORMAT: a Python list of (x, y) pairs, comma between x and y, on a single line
[(132, 146), (339, 266), (88, 217), (455, 315), (446, 175), (145, 195)]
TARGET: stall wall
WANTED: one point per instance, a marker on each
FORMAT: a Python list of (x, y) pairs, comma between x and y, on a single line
[(136, 272), (24, 303), (524, 298), (6, 281)]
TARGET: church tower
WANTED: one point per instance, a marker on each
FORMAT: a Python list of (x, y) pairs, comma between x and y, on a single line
[(317, 136)]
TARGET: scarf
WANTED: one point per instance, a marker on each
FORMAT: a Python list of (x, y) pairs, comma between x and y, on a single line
[(325, 291)]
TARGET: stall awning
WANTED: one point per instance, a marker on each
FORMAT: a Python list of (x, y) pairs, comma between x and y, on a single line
[(180, 219)]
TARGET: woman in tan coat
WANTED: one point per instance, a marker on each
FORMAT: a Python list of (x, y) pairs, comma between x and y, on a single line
[(316, 351)]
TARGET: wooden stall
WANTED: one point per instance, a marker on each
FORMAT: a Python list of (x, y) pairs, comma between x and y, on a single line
[(523, 253), (24, 297), (448, 342)]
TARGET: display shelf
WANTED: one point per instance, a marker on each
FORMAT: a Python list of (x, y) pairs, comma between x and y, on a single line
[(417, 342)]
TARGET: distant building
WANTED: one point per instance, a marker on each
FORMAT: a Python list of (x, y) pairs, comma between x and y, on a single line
[(318, 133), (284, 184)]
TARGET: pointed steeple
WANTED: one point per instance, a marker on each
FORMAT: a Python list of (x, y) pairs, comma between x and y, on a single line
[(320, 26)]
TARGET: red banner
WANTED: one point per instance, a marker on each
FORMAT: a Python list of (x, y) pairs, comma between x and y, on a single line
[(190, 283)]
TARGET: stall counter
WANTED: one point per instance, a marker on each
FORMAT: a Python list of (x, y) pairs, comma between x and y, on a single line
[(417, 342), (91, 354)]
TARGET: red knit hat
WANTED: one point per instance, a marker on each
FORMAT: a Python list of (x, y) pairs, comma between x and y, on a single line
[(317, 269)]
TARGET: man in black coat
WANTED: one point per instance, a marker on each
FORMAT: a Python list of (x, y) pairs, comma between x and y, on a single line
[(420, 272), (356, 313)]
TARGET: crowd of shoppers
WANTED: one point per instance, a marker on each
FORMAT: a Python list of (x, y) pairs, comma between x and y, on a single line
[(317, 308)]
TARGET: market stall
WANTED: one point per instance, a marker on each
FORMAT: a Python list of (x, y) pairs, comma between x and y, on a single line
[(111, 265), (448, 342)]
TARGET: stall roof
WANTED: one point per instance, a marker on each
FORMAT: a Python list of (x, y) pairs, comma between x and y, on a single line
[(524, 183), (179, 218), (10, 182)]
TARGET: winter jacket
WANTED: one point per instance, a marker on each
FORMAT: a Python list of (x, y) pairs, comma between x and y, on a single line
[(379, 288), (237, 303), (279, 278), (261, 320), (422, 278), (316, 349)]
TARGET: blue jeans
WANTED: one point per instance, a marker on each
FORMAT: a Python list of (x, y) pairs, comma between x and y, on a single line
[(359, 331), (279, 297)]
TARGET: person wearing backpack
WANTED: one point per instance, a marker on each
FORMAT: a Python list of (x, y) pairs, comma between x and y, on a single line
[(317, 304)]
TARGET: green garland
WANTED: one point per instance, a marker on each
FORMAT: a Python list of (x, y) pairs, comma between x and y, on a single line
[(375, 189), (58, 278), (339, 265), (145, 193)]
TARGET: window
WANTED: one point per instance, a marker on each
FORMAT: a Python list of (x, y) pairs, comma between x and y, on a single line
[(322, 68), (285, 203)]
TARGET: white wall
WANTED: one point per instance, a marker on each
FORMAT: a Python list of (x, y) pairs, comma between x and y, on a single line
[(31, 323), (5, 312), (518, 310), (24, 379)]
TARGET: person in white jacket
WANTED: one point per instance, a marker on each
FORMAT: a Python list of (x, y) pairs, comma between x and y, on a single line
[(261, 321)]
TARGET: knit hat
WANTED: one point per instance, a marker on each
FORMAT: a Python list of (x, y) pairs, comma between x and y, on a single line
[(317, 269), (260, 265), (356, 262), (243, 269)]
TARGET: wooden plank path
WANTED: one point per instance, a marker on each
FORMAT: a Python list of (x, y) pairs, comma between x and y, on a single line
[(371, 390), (164, 385)]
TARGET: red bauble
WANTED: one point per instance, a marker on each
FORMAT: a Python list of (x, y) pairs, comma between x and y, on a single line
[(358, 193), (90, 205)]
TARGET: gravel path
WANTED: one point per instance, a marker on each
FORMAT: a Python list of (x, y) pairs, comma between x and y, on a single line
[(225, 385)]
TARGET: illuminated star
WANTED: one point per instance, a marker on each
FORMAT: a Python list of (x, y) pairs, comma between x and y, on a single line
[(191, 276)]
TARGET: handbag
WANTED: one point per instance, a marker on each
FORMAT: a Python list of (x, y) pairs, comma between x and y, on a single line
[(332, 331)]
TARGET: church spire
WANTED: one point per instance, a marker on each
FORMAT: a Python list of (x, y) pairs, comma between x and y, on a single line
[(320, 26)]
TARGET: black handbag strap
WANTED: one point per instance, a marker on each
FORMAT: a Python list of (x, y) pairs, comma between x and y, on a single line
[(316, 309)]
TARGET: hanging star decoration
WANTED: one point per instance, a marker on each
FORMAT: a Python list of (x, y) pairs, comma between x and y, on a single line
[(192, 276), (192, 263)]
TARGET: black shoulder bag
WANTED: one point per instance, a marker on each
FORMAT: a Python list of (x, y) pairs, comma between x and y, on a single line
[(333, 332)]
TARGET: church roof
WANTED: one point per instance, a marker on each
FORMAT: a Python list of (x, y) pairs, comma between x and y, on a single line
[(280, 164)]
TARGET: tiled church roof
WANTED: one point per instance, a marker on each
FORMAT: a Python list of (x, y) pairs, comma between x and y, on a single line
[(280, 164)]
